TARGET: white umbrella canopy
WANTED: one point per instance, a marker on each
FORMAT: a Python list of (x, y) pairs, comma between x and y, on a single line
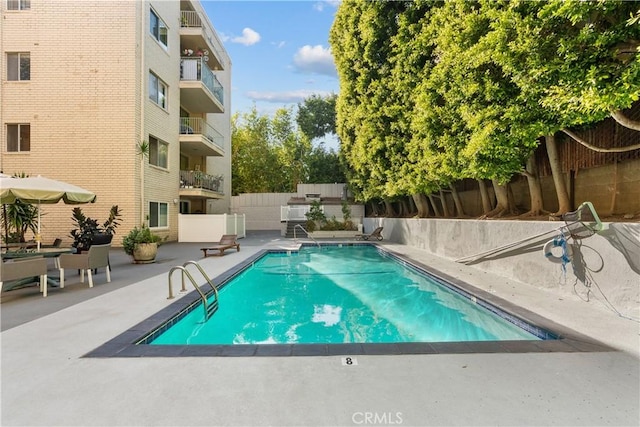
[(40, 190)]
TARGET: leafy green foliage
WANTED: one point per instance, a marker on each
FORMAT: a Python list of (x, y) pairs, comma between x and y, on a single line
[(315, 212), (269, 154), (316, 116), (437, 91), (17, 219), (137, 235), (86, 228)]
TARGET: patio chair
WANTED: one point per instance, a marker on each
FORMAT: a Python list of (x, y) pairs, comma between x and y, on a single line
[(96, 257), (227, 241), (374, 235), (24, 269)]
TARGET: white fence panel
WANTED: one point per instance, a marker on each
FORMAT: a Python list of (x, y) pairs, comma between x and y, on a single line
[(209, 228)]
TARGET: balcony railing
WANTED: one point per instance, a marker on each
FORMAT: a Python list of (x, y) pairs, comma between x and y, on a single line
[(295, 213), (198, 126), (191, 19), (201, 180), (195, 69)]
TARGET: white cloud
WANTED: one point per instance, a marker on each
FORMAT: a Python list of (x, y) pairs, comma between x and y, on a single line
[(286, 97), (248, 37), (314, 60), (279, 44), (320, 5)]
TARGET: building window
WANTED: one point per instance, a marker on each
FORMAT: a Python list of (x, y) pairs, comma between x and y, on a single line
[(18, 66), (158, 29), (157, 90), (158, 152), (19, 138), (158, 214), (18, 4)]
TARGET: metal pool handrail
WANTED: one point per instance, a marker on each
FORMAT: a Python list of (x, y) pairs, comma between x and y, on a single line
[(209, 308), (308, 235)]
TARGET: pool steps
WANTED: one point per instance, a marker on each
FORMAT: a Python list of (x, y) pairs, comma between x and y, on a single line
[(210, 307)]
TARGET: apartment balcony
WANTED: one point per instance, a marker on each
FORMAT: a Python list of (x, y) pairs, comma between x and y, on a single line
[(200, 90), (199, 185), (198, 138), (196, 34)]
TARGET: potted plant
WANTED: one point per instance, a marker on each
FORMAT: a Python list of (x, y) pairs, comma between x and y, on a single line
[(141, 244), (87, 228)]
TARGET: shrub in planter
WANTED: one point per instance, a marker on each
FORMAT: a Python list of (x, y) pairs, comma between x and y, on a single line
[(138, 237)]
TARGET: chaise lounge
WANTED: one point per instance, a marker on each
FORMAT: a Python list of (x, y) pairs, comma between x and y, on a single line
[(374, 235), (227, 241)]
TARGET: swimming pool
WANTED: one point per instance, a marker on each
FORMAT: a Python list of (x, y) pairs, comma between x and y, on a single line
[(340, 294), (135, 341)]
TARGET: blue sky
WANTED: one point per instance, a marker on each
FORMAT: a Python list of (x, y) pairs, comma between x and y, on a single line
[(279, 50)]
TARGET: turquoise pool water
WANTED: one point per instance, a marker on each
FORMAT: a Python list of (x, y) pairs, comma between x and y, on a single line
[(348, 294)]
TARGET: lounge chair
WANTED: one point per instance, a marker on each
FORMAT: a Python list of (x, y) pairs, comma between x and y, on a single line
[(96, 257), (227, 241), (24, 269), (374, 235)]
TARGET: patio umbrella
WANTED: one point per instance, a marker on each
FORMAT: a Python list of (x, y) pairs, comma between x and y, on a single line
[(40, 190)]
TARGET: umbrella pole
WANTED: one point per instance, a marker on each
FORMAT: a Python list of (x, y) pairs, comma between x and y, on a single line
[(38, 234), (6, 225)]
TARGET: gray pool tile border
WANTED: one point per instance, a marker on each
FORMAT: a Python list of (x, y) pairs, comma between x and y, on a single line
[(131, 343)]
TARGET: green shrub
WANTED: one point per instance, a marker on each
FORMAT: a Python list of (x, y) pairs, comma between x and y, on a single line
[(139, 235), (310, 226)]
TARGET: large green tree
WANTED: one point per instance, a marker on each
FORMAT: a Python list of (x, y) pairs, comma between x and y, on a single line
[(316, 116), (433, 92), (254, 160), (271, 154)]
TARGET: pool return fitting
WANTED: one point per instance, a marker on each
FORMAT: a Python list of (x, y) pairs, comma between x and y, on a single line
[(209, 307)]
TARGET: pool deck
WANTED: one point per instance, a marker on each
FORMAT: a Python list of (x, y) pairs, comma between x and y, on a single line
[(46, 381)]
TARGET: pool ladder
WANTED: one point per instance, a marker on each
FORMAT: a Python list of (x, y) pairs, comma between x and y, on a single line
[(209, 307), (308, 235)]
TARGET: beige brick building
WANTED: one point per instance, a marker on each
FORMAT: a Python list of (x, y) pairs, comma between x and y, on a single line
[(84, 83)]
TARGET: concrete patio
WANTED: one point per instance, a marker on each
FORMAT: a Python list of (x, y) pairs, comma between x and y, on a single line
[(46, 381)]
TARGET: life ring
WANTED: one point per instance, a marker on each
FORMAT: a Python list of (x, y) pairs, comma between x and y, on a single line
[(558, 242)]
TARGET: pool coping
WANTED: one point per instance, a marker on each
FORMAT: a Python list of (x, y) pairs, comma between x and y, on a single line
[(128, 344)]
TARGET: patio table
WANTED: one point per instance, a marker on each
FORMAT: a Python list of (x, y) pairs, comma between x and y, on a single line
[(44, 252)]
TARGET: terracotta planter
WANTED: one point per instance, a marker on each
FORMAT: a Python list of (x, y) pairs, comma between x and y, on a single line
[(145, 253)]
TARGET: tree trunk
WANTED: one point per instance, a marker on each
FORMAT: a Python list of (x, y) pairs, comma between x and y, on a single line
[(445, 208), (373, 206), (502, 197), (404, 208), (619, 117), (535, 189), (558, 180), (484, 195), (615, 188), (422, 204), (457, 201), (581, 141), (389, 212), (434, 205), (411, 205)]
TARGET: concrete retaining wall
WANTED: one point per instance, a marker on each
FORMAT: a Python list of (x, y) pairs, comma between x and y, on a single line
[(604, 264)]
